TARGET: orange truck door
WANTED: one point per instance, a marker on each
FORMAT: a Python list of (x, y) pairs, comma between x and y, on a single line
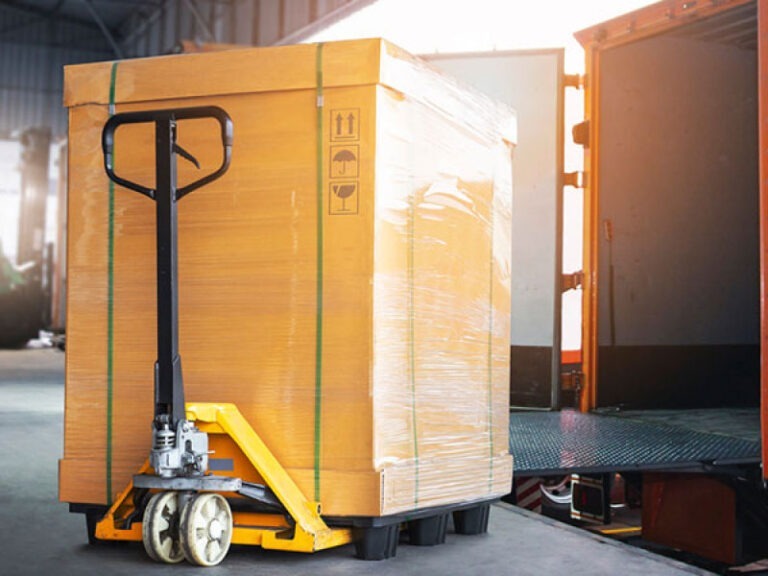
[(762, 87)]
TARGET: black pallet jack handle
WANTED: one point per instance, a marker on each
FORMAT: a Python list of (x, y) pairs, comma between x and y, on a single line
[(169, 387)]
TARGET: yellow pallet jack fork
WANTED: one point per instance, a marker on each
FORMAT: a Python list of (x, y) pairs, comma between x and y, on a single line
[(184, 509), (308, 534)]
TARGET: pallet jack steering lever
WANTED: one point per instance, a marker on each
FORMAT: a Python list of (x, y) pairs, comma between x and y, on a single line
[(179, 449), (188, 514)]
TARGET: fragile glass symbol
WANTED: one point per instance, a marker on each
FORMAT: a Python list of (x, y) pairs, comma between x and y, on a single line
[(344, 156), (344, 191)]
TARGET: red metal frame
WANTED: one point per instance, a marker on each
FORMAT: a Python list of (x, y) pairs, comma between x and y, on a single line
[(762, 83)]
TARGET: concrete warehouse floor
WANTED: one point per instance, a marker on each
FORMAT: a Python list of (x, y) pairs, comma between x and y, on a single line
[(38, 535)]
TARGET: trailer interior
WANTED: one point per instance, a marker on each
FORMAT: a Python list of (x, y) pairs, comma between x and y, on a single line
[(679, 302), (672, 230), (677, 227)]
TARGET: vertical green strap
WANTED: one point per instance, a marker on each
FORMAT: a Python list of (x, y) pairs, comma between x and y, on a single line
[(319, 287), (491, 447), (110, 298), (412, 345)]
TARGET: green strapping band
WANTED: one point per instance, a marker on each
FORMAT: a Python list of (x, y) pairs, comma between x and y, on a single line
[(110, 298), (490, 355), (319, 287), (411, 338)]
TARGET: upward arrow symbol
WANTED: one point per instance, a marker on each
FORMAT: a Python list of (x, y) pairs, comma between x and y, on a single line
[(351, 119), (338, 124)]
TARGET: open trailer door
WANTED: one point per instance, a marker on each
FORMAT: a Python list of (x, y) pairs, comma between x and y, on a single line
[(674, 209), (532, 82), (675, 259), (762, 90)]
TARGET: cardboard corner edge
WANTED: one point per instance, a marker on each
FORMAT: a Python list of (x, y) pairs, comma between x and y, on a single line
[(79, 481), (80, 79)]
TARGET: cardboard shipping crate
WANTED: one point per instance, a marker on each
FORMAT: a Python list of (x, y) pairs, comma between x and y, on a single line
[(346, 284)]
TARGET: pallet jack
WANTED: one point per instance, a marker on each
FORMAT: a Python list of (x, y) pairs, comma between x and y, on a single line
[(175, 504)]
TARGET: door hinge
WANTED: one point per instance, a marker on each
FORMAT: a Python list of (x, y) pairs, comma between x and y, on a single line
[(571, 380), (572, 281), (580, 133), (575, 179), (573, 81)]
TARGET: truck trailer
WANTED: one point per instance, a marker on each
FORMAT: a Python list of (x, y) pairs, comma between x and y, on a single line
[(671, 394)]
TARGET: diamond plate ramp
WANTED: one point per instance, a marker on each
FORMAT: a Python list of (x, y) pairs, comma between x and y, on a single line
[(566, 442)]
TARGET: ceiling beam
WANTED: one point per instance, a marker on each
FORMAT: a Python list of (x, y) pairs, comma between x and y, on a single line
[(144, 3), (103, 27), (146, 22), (200, 20), (43, 14)]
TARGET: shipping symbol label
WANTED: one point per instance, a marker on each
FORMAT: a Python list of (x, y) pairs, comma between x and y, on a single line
[(343, 197), (345, 124), (345, 161)]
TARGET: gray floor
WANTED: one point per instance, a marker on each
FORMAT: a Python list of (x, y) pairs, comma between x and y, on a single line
[(39, 536)]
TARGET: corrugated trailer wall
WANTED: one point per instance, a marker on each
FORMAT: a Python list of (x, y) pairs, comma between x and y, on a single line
[(30, 89), (248, 22), (32, 55)]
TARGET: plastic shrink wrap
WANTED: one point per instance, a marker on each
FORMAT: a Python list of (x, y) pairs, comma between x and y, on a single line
[(345, 284)]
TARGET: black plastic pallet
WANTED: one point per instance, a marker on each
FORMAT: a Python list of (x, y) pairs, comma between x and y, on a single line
[(377, 537)]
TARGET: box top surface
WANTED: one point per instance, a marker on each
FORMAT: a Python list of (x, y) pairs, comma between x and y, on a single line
[(276, 69), (240, 71)]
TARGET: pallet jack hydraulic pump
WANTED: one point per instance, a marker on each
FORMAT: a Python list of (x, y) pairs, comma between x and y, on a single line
[(175, 505)]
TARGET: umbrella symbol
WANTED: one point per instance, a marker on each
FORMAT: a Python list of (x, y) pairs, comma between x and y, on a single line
[(344, 191), (344, 156)]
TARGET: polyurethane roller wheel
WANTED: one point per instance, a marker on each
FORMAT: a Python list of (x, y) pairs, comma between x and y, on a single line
[(205, 529), (160, 529)]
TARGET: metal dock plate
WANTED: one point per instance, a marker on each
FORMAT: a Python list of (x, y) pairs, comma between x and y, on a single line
[(548, 443)]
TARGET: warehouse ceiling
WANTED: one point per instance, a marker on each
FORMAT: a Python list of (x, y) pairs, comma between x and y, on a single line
[(111, 12), (88, 24), (108, 25), (38, 38)]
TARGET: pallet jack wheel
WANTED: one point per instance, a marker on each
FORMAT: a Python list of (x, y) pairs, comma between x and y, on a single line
[(206, 529), (160, 529)]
